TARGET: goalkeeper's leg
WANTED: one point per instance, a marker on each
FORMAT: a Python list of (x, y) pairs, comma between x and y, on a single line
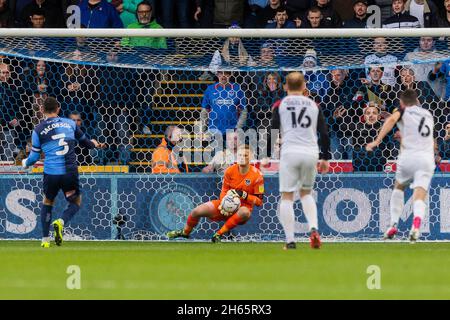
[(240, 217), (206, 210)]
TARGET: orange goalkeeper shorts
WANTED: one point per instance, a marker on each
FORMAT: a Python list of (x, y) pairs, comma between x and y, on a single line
[(217, 216)]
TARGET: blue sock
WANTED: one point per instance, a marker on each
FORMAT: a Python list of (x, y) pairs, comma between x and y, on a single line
[(70, 212), (46, 217)]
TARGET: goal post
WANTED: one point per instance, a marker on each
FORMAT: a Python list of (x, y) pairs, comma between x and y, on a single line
[(134, 94)]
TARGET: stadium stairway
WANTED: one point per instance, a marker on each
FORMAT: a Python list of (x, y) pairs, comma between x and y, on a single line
[(177, 101)]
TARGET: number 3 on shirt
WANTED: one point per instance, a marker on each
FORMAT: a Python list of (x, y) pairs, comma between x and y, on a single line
[(61, 143)]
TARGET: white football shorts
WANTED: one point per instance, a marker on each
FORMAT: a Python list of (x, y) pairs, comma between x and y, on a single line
[(297, 171), (415, 171)]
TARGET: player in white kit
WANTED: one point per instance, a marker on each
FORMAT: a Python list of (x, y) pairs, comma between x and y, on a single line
[(299, 119), (415, 163)]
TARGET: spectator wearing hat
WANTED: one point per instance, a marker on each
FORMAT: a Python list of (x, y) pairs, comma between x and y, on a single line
[(400, 18), (360, 15), (145, 21), (266, 56), (317, 83), (281, 20)]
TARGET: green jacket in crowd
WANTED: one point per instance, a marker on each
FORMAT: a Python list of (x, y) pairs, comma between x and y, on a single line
[(155, 43)]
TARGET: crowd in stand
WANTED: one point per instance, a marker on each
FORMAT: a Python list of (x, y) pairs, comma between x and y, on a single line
[(223, 13), (355, 102)]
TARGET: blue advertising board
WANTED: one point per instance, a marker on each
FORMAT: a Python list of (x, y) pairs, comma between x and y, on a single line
[(350, 207)]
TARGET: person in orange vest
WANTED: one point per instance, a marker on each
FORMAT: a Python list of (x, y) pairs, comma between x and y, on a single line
[(163, 159)]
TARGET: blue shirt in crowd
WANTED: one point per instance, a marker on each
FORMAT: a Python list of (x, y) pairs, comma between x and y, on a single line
[(445, 70), (224, 104), (102, 15)]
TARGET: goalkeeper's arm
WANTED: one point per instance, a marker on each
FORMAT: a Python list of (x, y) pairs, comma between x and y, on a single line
[(255, 199)]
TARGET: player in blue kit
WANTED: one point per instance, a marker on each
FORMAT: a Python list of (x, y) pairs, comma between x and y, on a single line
[(57, 137)]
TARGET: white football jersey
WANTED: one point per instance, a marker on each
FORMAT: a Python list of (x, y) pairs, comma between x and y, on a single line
[(298, 125), (416, 128)]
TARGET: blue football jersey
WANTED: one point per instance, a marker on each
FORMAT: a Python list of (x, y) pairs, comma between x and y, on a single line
[(224, 104), (57, 138)]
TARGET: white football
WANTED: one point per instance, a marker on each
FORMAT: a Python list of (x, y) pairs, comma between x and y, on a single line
[(231, 204)]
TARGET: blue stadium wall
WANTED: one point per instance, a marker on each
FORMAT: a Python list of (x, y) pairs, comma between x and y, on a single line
[(351, 207)]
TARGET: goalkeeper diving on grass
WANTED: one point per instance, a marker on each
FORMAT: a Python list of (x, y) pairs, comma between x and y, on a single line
[(242, 182), (57, 137)]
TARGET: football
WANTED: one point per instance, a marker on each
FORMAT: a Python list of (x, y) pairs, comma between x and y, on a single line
[(230, 204)]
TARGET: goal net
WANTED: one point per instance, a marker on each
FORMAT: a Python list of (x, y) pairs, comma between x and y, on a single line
[(132, 89)]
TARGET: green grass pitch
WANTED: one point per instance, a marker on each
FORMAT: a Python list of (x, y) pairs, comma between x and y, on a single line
[(181, 270)]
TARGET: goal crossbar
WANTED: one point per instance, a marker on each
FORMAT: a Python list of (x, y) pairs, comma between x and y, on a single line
[(225, 33)]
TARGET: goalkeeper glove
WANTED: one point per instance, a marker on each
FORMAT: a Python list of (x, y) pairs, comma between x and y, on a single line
[(238, 193), (223, 212)]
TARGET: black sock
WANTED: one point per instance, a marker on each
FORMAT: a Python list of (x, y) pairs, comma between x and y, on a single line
[(46, 217), (70, 212)]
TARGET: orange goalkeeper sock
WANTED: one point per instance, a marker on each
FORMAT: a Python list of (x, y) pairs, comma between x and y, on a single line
[(191, 223), (230, 224)]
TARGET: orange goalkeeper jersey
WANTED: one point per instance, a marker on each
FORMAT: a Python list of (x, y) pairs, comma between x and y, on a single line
[(252, 183)]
